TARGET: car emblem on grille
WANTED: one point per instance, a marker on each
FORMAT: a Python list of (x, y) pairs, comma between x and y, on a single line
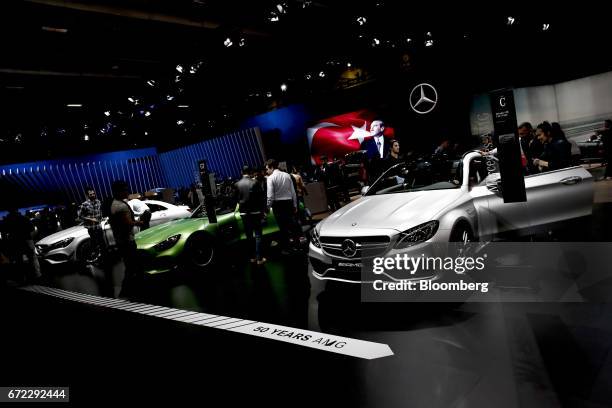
[(349, 248), (353, 224)]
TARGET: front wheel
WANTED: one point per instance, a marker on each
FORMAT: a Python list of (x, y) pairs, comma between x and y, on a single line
[(461, 237), (200, 252), (88, 253)]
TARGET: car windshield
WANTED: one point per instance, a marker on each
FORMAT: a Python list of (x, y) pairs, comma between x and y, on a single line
[(200, 211), (421, 175)]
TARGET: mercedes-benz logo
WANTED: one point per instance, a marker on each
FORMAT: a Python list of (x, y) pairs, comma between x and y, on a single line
[(349, 248), (423, 98)]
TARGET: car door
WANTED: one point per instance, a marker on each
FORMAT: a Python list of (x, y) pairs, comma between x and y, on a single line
[(503, 218), (559, 195)]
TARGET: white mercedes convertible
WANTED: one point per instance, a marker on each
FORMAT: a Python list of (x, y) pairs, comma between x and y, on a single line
[(440, 202)]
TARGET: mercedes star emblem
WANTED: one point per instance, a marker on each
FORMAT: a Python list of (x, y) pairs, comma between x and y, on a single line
[(423, 98), (349, 248)]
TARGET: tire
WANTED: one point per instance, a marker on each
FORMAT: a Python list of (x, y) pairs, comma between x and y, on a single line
[(200, 251), (461, 236), (86, 254)]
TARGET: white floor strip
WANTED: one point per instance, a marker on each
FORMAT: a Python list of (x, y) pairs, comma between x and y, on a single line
[(306, 338)]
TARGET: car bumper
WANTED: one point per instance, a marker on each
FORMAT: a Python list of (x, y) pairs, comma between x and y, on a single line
[(153, 264), (326, 267), (55, 257)]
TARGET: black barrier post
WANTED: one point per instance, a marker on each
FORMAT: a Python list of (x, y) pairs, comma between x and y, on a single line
[(209, 200), (508, 146)]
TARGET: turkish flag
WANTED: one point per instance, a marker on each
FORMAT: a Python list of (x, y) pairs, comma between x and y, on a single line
[(342, 134)]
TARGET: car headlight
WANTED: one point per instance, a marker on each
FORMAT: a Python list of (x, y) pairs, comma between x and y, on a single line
[(167, 243), (60, 244), (314, 236), (420, 233)]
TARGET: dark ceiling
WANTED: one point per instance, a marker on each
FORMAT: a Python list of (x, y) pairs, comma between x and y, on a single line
[(98, 54)]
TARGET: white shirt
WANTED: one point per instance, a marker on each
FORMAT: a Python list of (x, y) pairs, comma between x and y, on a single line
[(380, 140), (138, 206), (280, 187)]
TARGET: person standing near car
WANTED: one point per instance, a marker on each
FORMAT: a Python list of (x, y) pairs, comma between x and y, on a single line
[(90, 214), (122, 223), (251, 204), (281, 198), (17, 230)]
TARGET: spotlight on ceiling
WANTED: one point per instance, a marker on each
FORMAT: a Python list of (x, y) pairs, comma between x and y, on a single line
[(375, 42), (86, 137), (545, 27), (147, 114), (510, 20), (361, 20), (193, 69), (169, 97), (107, 113), (429, 43), (180, 122), (282, 8), (322, 74), (151, 82), (348, 65), (179, 68), (242, 42), (228, 42), (273, 17), (131, 99), (283, 87), (177, 79), (408, 40), (146, 133), (123, 133), (269, 94), (308, 77)]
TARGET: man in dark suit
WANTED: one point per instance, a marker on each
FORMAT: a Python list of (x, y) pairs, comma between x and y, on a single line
[(377, 148)]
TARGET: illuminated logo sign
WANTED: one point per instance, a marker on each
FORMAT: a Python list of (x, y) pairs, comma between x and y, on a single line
[(423, 98)]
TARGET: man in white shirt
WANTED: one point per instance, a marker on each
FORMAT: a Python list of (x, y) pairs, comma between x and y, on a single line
[(281, 197)]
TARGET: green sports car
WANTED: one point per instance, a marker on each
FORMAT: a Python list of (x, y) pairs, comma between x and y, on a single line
[(193, 242)]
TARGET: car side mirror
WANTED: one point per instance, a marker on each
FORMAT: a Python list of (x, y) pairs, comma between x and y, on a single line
[(364, 190)]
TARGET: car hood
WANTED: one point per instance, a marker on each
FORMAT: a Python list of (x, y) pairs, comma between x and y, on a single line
[(75, 232), (159, 233), (399, 212)]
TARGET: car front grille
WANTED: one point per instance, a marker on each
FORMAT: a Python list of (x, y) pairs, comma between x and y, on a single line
[(365, 246)]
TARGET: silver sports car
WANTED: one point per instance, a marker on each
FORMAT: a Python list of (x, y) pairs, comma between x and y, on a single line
[(72, 244), (445, 201)]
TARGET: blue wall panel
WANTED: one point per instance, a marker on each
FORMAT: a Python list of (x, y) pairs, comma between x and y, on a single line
[(63, 180), (225, 156)]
